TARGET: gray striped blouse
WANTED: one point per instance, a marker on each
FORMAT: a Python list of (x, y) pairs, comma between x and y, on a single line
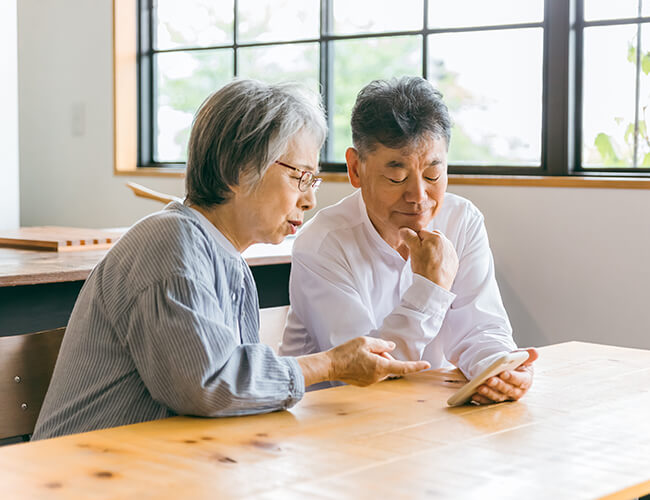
[(166, 324)]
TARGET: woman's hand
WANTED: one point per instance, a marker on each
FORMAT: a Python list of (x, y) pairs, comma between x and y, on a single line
[(360, 361)]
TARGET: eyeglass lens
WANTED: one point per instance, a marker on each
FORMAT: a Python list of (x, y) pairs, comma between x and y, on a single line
[(305, 181)]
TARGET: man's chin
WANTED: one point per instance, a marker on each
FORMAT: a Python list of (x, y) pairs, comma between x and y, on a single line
[(416, 225)]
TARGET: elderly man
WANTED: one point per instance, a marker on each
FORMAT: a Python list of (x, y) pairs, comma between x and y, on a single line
[(392, 260)]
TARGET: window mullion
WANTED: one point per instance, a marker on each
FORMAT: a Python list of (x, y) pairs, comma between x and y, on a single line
[(235, 33), (558, 122), (637, 83), (425, 40), (146, 84), (325, 73)]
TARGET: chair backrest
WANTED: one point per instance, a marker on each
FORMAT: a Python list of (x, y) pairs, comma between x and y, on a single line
[(272, 320), (26, 366)]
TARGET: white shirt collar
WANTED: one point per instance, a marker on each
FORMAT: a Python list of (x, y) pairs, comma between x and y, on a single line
[(381, 243), (216, 234)]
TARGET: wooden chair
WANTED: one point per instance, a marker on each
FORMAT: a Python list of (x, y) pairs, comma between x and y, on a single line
[(26, 366), (272, 320)]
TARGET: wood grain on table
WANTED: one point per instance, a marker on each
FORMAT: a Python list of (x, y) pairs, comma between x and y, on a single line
[(583, 431)]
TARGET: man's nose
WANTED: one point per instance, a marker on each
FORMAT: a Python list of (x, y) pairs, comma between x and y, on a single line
[(416, 190)]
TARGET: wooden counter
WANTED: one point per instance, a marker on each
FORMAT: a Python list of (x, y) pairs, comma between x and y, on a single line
[(31, 267), (583, 431), (38, 289)]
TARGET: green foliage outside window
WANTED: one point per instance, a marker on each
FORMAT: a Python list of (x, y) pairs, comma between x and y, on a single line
[(619, 151)]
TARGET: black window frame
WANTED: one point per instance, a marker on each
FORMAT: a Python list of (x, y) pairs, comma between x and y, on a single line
[(561, 128)]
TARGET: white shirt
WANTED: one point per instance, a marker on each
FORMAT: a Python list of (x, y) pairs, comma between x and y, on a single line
[(346, 281)]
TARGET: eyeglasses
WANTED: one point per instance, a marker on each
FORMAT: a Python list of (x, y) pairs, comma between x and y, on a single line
[(307, 179)]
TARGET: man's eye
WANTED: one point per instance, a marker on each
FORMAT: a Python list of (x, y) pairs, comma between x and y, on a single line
[(396, 181), (432, 179)]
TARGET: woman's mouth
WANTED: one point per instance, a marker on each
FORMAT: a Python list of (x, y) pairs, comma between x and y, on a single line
[(294, 225)]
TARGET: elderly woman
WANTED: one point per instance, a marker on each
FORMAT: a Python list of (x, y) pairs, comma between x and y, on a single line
[(167, 323)]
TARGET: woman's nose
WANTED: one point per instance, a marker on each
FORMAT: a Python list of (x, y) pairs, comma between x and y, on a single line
[(308, 199)]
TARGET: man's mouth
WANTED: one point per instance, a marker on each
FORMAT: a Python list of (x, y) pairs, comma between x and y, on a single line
[(413, 214)]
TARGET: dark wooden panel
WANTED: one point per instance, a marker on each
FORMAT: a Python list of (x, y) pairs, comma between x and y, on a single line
[(272, 284), (31, 308)]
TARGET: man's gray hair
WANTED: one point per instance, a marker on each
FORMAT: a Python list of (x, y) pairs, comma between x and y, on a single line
[(240, 130), (398, 112)]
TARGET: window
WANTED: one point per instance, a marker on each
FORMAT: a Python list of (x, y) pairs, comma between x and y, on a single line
[(539, 87), (616, 85)]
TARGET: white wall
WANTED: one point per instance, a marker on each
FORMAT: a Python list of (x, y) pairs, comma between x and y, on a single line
[(66, 119), (571, 263), (9, 116)]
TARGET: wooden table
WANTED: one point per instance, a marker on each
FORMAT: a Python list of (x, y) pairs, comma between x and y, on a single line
[(583, 431), (38, 289)]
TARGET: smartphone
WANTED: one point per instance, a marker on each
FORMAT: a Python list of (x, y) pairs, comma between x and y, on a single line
[(506, 362)]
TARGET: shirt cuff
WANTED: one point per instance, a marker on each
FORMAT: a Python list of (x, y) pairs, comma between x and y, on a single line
[(484, 363), (425, 296), (296, 389)]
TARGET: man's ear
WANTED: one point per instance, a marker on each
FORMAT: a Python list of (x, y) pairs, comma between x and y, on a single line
[(354, 164)]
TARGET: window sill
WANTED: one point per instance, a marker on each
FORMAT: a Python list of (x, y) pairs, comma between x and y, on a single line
[(457, 179), (151, 172), (532, 181)]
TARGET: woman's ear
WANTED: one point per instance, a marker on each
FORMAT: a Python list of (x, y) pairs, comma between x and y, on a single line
[(354, 164)]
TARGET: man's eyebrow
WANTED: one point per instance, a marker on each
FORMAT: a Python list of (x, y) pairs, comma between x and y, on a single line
[(394, 164), (435, 162)]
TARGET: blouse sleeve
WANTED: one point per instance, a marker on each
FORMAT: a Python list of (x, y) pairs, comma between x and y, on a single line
[(192, 361)]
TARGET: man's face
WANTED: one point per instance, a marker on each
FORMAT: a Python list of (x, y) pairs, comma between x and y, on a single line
[(401, 187)]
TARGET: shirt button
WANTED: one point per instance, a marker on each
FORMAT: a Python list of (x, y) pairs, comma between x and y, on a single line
[(234, 297)]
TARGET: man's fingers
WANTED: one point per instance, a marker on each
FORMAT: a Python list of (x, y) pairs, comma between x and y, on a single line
[(532, 356), (488, 392), (423, 234), (519, 379), (481, 400), (405, 367), (409, 236), (509, 391)]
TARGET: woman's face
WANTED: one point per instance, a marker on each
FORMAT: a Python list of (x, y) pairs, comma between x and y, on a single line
[(276, 207)]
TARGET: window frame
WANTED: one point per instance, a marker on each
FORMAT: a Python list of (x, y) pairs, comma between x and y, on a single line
[(561, 145), (580, 24)]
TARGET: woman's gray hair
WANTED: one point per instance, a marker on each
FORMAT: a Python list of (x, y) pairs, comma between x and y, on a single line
[(398, 112), (240, 130)]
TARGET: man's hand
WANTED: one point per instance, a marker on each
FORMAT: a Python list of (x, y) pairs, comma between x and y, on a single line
[(509, 385), (360, 361), (432, 256)]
